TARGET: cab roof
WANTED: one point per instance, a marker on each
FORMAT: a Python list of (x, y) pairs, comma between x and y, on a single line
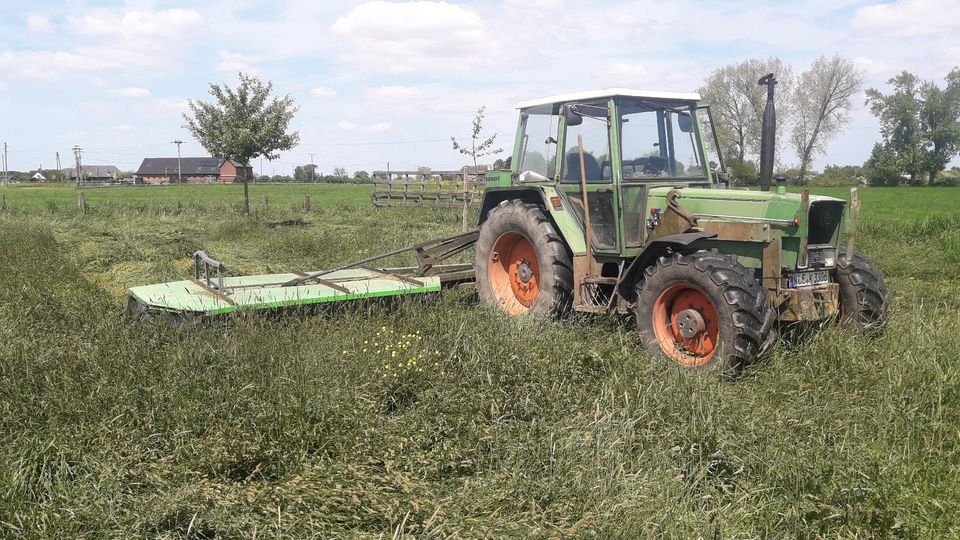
[(609, 92)]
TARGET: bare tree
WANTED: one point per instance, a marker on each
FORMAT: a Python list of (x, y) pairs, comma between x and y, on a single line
[(475, 150), (822, 101), (737, 101)]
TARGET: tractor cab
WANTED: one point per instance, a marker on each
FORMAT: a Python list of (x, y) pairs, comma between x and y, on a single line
[(631, 141), (628, 134)]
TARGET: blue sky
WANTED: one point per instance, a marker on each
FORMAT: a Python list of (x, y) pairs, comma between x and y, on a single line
[(380, 81)]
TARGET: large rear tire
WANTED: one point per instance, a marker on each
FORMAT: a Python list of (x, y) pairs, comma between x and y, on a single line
[(864, 298), (704, 311), (522, 265)]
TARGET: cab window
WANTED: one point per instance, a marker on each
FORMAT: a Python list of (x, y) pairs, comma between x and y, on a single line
[(596, 146), (538, 144), (658, 140)]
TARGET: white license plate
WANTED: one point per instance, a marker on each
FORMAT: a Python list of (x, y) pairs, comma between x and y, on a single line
[(805, 279)]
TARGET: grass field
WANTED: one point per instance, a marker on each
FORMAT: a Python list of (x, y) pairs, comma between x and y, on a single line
[(479, 426)]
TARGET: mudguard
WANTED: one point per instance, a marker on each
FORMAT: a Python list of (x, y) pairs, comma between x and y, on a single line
[(563, 220), (655, 249)]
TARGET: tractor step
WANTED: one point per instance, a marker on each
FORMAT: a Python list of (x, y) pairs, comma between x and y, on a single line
[(598, 280)]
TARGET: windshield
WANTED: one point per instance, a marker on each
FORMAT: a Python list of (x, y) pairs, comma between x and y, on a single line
[(657, 140), (538, 144)]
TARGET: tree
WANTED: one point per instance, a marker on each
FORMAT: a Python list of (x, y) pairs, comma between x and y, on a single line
[(361, 176), (243, 123), (475, 151), (339, 172), (743, 172), (305, 173), (737, 102), (883, 166), (940, 124), (920, 123), (899, 122), (424, 172), (822, 102)]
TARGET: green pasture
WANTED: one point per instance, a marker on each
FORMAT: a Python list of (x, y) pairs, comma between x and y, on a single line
[(434, 418)]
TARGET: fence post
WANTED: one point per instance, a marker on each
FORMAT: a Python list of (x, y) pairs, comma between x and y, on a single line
[(306, 203), (82, 204), (466, 203), (3, 206), (264, 201)]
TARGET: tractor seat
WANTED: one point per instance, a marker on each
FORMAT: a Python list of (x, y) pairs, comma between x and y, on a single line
[(590, 166)]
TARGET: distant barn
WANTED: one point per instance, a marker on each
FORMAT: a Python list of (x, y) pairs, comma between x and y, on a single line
[(93, 174), (195, 170)]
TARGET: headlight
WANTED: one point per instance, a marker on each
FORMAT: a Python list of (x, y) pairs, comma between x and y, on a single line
[(829, 258)]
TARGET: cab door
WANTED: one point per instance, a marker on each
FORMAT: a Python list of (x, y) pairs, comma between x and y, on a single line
[(603, 199)]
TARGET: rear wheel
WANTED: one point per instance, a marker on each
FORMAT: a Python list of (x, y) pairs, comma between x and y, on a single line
[(864, 299), (704, 311), (522, 265)]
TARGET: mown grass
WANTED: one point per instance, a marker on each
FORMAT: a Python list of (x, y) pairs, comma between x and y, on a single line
[(305, 425)]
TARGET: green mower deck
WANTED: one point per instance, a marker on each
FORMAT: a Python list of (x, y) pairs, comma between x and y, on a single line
[(268, 291), (210, 292)]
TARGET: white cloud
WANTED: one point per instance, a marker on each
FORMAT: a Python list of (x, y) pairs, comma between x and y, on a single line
[(50, 65), (39, 23), (379, 127), (420, 36), (323, 92), (142, 26), (179, 105), (907, 18), (237, 62), (110, 39), (395, 93), (346, 125), (131, 91)]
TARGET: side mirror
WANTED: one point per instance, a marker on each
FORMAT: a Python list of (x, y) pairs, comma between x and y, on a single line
[(572, 115), (685, 122)]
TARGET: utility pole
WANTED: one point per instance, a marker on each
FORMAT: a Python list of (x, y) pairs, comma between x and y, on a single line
[(312, 167), (178, 142), (58, 164), (6, 176), (77, 151)]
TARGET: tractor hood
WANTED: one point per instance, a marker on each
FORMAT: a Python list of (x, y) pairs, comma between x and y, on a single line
[(741, 205)]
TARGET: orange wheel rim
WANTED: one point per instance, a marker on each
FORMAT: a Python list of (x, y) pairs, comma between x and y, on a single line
[(514, 273), (686, 324)]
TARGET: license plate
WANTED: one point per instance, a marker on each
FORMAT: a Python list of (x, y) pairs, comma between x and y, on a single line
[(805, 279)]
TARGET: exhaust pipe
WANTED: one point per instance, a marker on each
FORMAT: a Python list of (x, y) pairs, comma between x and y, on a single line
[(768, 133)]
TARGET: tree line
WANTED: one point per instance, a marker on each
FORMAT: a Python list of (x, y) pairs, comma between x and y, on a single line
[(309, 174)]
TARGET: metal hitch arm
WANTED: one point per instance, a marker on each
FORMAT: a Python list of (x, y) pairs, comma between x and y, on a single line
[(208, 263)]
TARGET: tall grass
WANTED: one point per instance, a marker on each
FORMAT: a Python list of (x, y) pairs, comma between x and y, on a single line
[(308, 424)]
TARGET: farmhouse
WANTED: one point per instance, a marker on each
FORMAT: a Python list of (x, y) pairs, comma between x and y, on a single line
[(93, 173), (195, 170)]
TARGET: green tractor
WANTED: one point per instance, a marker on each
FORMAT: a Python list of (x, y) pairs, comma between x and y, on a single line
[(612, 204), (707, 272)]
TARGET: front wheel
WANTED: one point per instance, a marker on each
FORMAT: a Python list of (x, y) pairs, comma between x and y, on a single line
[(522, 265), (704, 311), (864, 299)]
